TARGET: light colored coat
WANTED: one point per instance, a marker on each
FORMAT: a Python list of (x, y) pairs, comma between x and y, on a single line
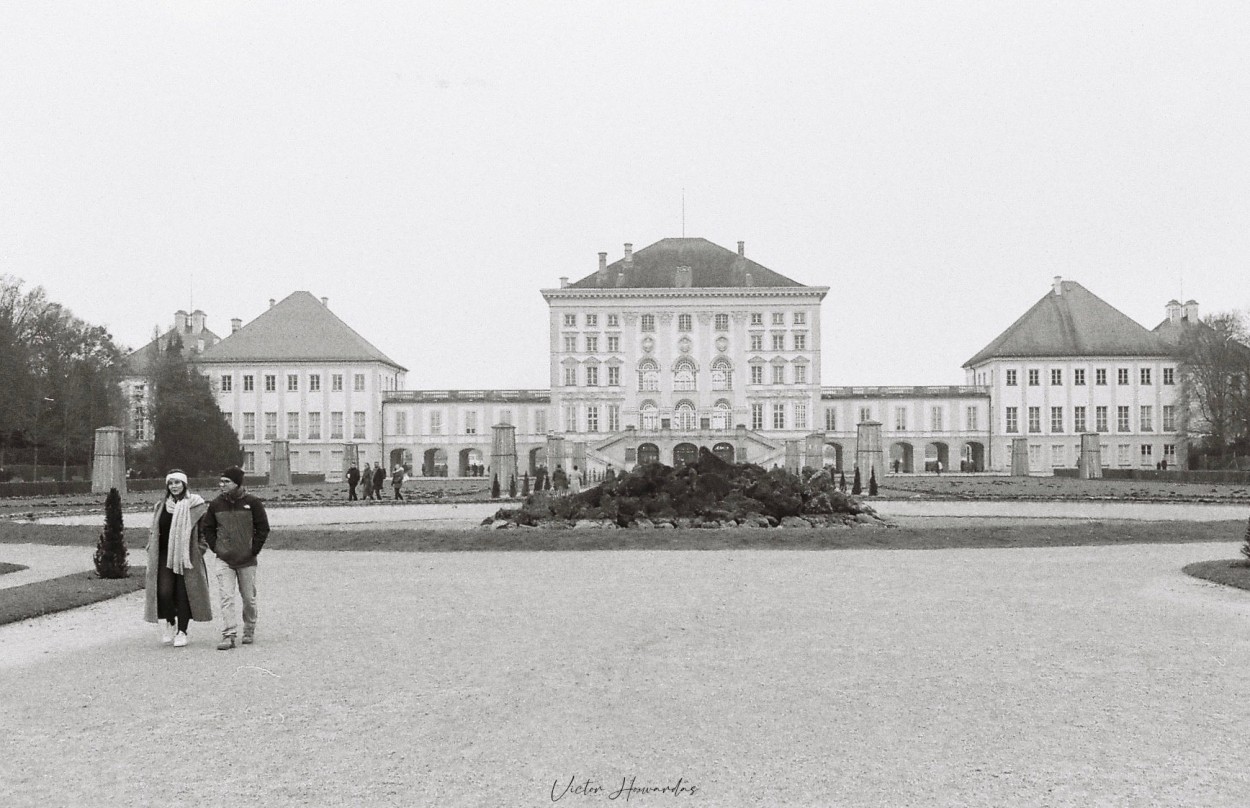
[(196, 576)]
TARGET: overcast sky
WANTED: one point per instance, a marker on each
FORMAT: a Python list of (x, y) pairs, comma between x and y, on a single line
[(430, 167)]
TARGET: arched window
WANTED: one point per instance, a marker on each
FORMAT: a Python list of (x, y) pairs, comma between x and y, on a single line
[(683, 376), (648, 376), (650, 415), (721, 414), (685, 416), (722, 375)]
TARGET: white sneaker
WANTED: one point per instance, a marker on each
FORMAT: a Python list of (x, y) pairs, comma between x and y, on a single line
[(180, 639), (167, 633)]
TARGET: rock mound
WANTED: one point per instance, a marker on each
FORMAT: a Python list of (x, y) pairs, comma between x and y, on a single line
[(709, 493)]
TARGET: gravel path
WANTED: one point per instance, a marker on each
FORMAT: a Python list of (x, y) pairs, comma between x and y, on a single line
[(1048, 677)]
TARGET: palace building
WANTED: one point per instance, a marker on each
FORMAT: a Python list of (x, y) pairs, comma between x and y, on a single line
[(683, 345)]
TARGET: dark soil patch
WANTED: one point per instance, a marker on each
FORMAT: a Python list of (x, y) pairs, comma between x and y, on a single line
[(67, 592), (1227, 572)]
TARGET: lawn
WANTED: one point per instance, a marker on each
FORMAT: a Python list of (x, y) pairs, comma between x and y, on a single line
[(1227, 572)]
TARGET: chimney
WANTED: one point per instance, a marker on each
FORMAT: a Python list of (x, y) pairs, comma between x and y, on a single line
[(271, 302), (629, 253), (564, 281), (683, 277), (325, 301), (746, 280), (235, 324), (1191, 311), (603, 261), (742, 248), (1059, 284), (1173, 309), (181, 323), (197, 321)]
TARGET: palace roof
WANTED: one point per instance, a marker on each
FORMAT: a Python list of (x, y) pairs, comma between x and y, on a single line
[(658, 267), (299, 328), (1071, 321), (139, 361)]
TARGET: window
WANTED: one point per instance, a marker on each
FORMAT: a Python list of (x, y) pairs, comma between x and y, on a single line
[(505, 417), (648, 322), (292, 383), (227, 383), (1035, 377), (1078, 377), (779, 342), (800, 415), (614, 417), (614, 375), (1121, 419), (800, 374), (1100, 419), (800, 342), (614, 321), (592, 375), (229, 419), (249, 461), (1122, 453), (1035, 455), (570, 343), (271, 383), (358, 425), (971, 415), (336, 382), (720, 415), (779, 374), (249, 426), (470, 422), (570, 377), (757, 342), (935, 419), (614, 343), (358, 382), (314, 426), (722, 322), (650, 415), (401, 422), (570, 321), (865, 414), (683, 376), (1147, 454), (540, 415), (1035, 419), (1145, 418), (292, 426), (1056, 419), (1011, 378), (648, 376), (1100, 376), (1169, 453), (592, 320), (249, 383), (1169, 377), (1056, 376), (1078, 419), (684, 416), (436, 422), (757, 416), (900, 419), (1013, 419), (800, 318), (1057, 456), (722, 377), (757, 318), (1145, 377), (592, 343), (1121, 376), (592, 418), (271, 426), (336, 426), (757, 374), (1169, 418), (831, 420), (779, 415), (314, 382), (685, 322)]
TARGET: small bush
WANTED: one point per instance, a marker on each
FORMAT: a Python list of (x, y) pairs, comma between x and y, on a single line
[(110, 553)]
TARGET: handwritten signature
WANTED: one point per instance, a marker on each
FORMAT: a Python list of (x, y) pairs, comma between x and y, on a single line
[(587, 787)]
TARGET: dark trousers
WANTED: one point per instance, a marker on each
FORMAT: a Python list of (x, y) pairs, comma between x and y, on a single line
[(397, 494), (172, 603), (351, 492)]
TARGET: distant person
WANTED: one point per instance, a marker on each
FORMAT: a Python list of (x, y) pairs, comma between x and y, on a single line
[(397, 480), (576, 481), (236, 527), (896, 465), (559, 480), (939, 467), (610, 474), (176, 579), (366, 482), (379, 480), (353, 479)]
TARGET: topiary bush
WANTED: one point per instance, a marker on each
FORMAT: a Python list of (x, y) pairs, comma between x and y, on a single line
[(110, 553)]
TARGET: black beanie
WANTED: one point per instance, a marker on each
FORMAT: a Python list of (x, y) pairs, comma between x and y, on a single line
[(234, 474)]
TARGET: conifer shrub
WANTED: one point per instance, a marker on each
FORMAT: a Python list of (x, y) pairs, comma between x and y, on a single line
[(494, 486), (525, 484), (857, 488), (110, 553), (512, 486), (872, 482)]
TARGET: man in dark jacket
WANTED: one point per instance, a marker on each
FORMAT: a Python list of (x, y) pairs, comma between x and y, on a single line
[(353, 479), (236, 527), (379, 478)]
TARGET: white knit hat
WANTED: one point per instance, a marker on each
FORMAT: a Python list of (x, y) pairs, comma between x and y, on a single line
[(176, 475)]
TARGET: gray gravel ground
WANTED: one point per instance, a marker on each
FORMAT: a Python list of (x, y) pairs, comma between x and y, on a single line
[(1037, 677)]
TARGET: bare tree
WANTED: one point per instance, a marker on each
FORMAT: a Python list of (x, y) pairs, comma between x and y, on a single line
[(1214, 362)]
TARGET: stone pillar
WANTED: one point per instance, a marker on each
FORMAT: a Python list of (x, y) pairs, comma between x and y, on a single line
[(108, 467), (280, 466), (868, 452), (555, 454), (1090, 465), (1019, 457), (815, 451), (503, 455), (793, 456)]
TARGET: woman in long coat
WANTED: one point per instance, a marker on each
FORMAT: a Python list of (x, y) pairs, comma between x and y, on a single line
[(177, 578)]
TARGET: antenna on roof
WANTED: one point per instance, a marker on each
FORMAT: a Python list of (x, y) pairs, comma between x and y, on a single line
[(191, 292), (683, 212)]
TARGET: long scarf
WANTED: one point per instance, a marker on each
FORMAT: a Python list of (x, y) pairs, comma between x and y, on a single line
[(180, 531)]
